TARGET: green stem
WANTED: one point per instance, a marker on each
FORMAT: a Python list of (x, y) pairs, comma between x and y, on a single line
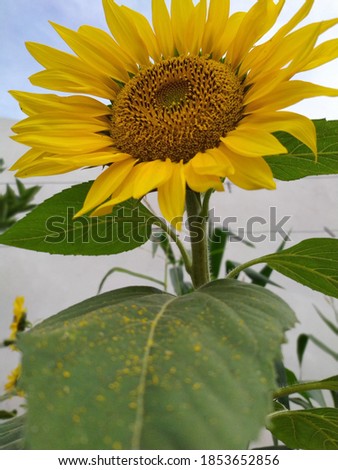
[(197, 223), (304, 387), (205, 205), (232, 274)]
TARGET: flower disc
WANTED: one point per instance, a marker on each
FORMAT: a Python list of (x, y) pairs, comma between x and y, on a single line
[(176, 108)]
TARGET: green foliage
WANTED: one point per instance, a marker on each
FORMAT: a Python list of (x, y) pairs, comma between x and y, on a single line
[(139, 361), (311, 430), (300, 161), (131, 273), (312, 262), (51, 227), (315, 429), (12, 203), (11, 434), (217, 244)]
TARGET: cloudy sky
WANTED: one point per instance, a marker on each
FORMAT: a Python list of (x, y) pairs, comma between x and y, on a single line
[(23, 20)]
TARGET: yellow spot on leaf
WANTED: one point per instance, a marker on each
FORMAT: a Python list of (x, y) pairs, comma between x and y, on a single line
[(66, 374), (117, 445), (76, 418), (114, 386), (155, 380), (100, 398)]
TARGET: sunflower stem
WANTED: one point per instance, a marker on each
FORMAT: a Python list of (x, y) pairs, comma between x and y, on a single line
[(197, 223)]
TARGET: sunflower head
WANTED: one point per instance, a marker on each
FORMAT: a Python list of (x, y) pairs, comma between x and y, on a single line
[(19, 322), (192, 99), (11, 385), (176, 109)]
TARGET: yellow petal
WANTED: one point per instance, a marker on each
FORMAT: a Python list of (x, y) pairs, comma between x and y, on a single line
[(71, 72), (322, 54), (297, 46), (212, 162), (122, 193), (195, 30), (251, 141), (124, 31), (65, 80), (181, 14), (251, 173), (266, 50), (150, 175), (44, 168), (296, 19), (90, 159), (288, 94), (28, 158), (201, 183), (101, 39), (42, 122), (218, 15), (171, 196), (33, 103), (145, 31), (259, 19), (231, 29), (162, 28), (95, 55), (72, 142), (105, 185), (295, 124)]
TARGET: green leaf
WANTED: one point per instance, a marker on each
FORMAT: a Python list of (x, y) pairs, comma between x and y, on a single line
[(180, 286), (4, 414), (302, 342), (138, 368), (217, 244), (327, 322), (51, 228), (256, 277), (312, 262), (11, 434), (315, 429), (300, 161), (230, 266), (266, 271), (323, 347), (12, 204), (160, 239), (131, 273), (308, 390)]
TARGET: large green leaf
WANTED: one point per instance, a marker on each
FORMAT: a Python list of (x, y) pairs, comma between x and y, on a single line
[(300, 161), (51, 227), (11, 434), (139, 368), (315, 429), (312, 262)]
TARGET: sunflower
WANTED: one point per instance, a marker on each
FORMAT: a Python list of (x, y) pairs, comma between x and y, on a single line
[(184, 103), (12, 382), (19, 322)]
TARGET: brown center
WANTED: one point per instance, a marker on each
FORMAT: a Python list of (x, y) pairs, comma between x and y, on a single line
[(176, 108)]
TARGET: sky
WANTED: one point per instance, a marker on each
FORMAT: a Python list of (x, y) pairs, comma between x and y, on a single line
[(23, 20)]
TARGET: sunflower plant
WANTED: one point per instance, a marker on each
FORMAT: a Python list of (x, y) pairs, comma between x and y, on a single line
[(175, 108)]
